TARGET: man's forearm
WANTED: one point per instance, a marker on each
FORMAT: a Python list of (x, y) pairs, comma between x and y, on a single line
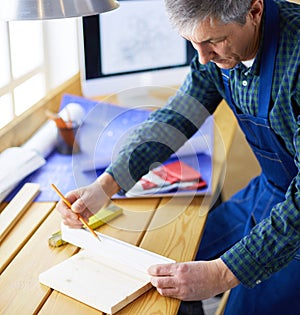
[(108, 184)]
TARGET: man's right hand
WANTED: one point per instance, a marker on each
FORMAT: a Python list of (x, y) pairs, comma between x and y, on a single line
[(87, 200)]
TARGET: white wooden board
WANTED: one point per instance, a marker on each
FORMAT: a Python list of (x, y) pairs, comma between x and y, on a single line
[(16, 207), (106, 275)]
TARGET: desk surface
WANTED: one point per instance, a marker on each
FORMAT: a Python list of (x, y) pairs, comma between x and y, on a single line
[(156, 224)]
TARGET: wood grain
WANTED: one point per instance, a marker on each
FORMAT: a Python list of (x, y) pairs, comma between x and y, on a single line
[(60, 304), (22, 232), (21, 293), (17, 206), (129, 227), (101, 282)]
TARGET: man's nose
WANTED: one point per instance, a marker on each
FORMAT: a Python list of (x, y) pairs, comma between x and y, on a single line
[(205, 53)]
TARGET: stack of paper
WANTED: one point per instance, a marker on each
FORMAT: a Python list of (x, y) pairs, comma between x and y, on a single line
[(172, 176)]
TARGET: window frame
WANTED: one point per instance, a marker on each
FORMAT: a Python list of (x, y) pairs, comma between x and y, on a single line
[(16, 132), (45, 68)]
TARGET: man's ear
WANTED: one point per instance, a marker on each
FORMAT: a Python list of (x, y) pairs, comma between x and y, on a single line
[(256, 11)]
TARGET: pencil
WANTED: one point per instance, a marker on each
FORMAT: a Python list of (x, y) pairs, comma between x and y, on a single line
[(60, 123), (81, 219)]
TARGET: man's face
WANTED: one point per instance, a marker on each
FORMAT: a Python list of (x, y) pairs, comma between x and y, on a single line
[(225, 44)]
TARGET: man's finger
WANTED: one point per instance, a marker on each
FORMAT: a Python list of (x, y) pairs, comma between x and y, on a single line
[(161, 270), (163, 282), (170, 292)]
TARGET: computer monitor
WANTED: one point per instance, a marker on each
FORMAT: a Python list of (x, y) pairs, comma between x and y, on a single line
[(133, 46)]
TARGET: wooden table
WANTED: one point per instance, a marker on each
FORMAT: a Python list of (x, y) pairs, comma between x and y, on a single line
[(168, 226)]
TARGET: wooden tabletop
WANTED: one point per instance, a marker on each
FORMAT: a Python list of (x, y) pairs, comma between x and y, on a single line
[(168, 226)]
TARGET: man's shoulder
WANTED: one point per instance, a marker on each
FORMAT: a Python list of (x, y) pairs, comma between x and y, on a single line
[(289, 25), (289, 13)]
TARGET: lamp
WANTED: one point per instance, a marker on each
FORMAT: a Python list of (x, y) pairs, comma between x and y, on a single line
[(11, 10)]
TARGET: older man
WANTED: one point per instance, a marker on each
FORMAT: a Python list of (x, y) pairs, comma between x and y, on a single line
[(248, 54)]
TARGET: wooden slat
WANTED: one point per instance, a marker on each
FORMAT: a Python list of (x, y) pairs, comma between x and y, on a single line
[(173, 218), (226, 123), (65, 305), (151, 303), (225, 128), (221, 307), (130, 226), (18, 205), (21, 292), (22, 232)]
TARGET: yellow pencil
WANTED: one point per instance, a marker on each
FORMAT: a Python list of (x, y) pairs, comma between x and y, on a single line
[(82, 220)]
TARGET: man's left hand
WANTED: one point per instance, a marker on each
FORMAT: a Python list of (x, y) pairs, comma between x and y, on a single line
[(191, 281)]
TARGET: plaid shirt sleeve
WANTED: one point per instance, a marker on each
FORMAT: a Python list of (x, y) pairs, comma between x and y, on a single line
[(167, 129), (271, 244)]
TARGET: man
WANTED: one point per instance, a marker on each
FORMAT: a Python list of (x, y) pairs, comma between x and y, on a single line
[(249, 54)]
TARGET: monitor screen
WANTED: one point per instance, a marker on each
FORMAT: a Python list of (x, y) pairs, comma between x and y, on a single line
[(131, 47)]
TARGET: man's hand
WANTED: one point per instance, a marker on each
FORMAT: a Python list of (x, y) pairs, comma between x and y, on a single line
[(192, 281), (87, 200)]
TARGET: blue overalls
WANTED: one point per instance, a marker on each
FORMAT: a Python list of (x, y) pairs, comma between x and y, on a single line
[(228, 223)]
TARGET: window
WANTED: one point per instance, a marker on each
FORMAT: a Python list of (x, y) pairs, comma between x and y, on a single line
[(35, 57)]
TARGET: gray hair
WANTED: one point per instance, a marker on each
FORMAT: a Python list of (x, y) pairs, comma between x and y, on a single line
[(186, 14)]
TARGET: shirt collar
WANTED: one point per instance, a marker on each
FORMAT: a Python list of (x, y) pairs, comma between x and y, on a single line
[(255, 68)]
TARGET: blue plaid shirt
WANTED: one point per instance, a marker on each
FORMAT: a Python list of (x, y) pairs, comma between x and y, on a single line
[(168, 128)]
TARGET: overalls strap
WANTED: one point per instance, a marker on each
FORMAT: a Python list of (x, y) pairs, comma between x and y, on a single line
[(269, 50)]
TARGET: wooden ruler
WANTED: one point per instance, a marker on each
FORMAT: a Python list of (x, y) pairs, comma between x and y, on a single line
[(16, 207)]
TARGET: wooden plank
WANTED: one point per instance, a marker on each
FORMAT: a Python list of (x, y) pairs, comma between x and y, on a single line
[(225, 128), (136, 217), (112, 249), (151, 303), (66, 305), (129, 227), (99, 281), (171, 222), (22, 231), (226, 124), (222, 305), (108, 275), (18, 205), (21, 292)]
